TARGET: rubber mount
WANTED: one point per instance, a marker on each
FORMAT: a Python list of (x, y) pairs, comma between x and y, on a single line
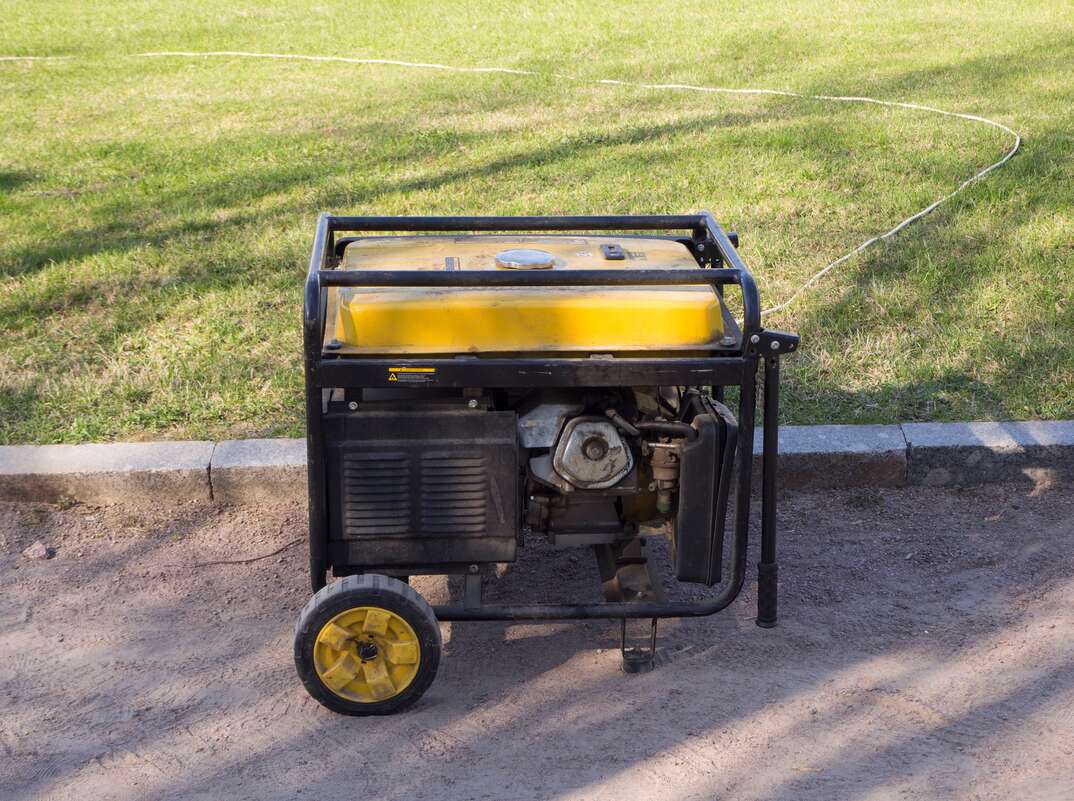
[(638, 660), (370, 590), (767, 595)]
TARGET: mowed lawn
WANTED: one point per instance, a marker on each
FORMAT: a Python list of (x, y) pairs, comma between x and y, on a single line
[(156, 213)]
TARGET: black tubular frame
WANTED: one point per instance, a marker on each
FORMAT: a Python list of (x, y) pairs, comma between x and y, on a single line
[(720, 266)]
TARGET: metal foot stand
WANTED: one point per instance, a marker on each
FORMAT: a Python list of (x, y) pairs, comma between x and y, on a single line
[(772, 342), (635, 659)]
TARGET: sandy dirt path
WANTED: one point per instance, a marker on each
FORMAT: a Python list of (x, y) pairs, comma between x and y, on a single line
[(926, 650)]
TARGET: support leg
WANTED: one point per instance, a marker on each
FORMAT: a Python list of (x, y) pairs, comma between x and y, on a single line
[(767, 569), (472, 585)]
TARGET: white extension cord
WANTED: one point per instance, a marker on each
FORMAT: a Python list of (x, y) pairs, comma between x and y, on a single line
[(813, 279)]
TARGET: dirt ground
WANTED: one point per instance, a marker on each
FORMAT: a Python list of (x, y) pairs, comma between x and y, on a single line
[(925, 650)]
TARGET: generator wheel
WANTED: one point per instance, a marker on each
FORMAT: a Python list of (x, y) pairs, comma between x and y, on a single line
[(367, 645)]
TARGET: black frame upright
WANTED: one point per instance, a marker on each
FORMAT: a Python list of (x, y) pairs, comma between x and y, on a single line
[(733, 363)]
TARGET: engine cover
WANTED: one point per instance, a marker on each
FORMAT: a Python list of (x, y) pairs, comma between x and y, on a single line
[(591, 454)]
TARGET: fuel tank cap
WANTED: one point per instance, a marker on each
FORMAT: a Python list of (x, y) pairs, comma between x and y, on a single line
[(525, 259)]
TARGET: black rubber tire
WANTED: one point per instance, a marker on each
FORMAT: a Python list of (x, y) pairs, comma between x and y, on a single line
[(369, 589)]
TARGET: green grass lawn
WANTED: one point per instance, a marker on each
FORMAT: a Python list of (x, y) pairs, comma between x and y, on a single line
[(156, 214)]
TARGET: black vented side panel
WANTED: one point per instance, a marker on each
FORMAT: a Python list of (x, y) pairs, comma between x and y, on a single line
[(454, 494), (422, 488), (376, 493)]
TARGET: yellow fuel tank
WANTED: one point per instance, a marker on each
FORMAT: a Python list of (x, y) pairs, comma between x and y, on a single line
[(437, 321)]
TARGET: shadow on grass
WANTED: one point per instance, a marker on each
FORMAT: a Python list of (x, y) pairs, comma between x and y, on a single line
[(192, 234), (982, 249), (947, 264), (14, 179), (128, 224)]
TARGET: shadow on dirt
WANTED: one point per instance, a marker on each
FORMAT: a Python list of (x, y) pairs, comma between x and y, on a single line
[(907, 654)]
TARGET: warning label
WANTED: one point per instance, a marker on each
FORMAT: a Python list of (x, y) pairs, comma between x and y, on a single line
[(411, 375)]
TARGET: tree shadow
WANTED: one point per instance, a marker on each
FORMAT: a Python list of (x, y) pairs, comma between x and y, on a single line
[(196, 695), (222, 210), (14, 179)]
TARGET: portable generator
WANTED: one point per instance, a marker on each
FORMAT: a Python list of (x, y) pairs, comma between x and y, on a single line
[(476, 382)]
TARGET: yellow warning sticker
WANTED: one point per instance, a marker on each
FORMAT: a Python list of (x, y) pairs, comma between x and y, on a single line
[(411, 375)]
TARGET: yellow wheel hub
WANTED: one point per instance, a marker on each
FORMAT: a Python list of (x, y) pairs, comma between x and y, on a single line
[(367, 654)]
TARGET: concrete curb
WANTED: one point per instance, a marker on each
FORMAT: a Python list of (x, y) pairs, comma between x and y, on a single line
[(258, 470), (824, 457), (265, 470), (963, 454), (107, 473)]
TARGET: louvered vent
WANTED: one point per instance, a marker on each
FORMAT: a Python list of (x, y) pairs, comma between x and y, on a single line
[(376, 494), (424, 491), (454, 494)]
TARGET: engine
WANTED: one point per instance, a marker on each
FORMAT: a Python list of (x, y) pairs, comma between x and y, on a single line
[(467, 479), (600, 465)]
